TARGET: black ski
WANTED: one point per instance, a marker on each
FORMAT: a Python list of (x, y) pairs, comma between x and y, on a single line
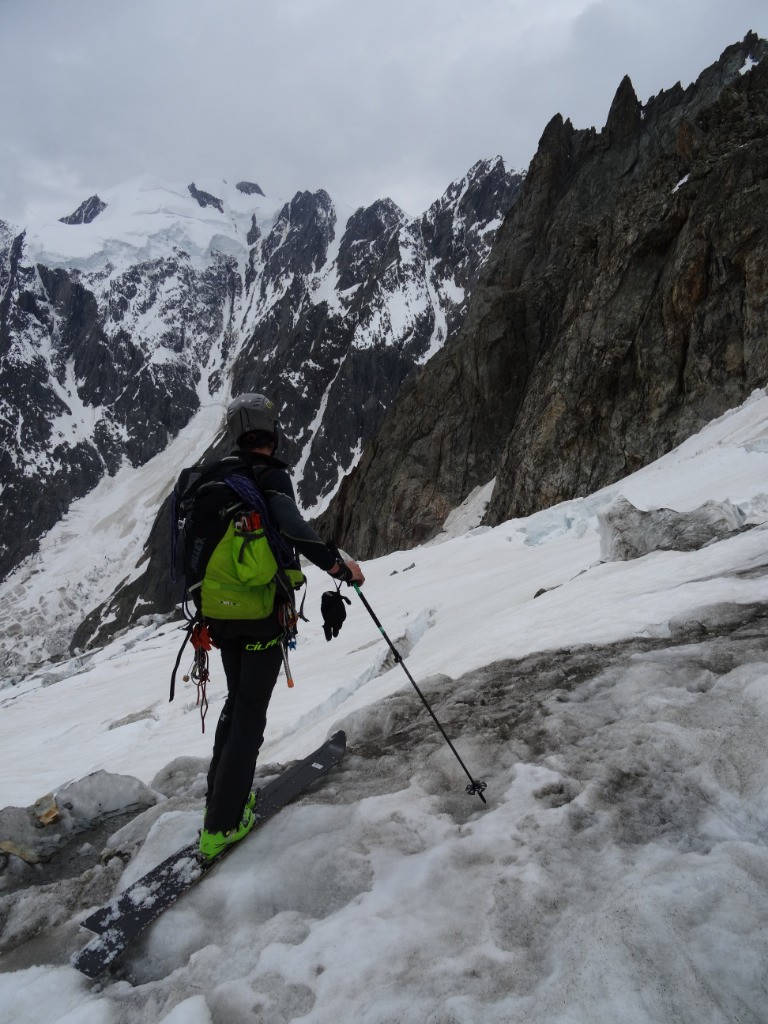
[(126, 916)]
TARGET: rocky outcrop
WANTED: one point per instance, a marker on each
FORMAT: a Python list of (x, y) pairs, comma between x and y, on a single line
[(249, 188), (86, 212), (204, 199), (37, 833), (622, 307)]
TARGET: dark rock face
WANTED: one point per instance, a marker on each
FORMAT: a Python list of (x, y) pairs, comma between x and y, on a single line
[(205, 198), (340, 343), (622, 308), (254, 233), (298, 243), (249, 188), (86, 212), (368, 233)]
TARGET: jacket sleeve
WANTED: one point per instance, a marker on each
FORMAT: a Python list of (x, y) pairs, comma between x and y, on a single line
[(278, 494)]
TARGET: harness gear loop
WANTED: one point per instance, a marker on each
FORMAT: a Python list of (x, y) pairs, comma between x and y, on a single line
[(198, 634)]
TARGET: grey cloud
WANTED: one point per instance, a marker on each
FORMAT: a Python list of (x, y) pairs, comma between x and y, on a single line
[(361, 98)]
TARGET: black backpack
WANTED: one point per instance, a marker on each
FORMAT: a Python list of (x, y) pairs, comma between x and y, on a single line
[(202, 507), (205, 500)]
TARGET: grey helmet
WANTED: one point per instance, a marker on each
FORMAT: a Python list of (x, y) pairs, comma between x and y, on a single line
[(251, 412)]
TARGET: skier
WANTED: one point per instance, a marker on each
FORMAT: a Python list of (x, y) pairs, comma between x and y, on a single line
[(251, 649)]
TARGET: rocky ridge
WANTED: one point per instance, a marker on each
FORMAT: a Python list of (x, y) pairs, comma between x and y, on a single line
[(335, 333), (622, 307)]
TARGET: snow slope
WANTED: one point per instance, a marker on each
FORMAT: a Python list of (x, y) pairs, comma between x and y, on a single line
[(619, 872), (94, 547), (148, 216)]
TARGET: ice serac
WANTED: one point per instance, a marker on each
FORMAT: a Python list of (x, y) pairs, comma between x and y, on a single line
[(621, 308), (627, 532)]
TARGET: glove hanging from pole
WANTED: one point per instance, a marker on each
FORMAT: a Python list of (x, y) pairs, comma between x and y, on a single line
[(333, 612)]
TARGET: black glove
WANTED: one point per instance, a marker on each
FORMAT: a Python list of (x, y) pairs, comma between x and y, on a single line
[(333, 612)]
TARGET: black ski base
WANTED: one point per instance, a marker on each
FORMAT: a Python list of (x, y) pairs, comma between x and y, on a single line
[(126, 916)]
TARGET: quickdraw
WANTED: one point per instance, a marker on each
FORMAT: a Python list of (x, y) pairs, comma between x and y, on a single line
[(200, 639), (198, 634)]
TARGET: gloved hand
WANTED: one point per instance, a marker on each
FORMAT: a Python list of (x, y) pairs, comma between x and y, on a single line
[(333, 612)]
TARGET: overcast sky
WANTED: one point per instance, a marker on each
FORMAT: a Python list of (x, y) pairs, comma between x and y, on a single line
[(365, 98)]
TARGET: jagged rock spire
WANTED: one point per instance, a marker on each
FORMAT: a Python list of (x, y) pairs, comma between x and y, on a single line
[(625, 115)]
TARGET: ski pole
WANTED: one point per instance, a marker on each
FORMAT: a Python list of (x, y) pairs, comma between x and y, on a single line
[(474, 786)]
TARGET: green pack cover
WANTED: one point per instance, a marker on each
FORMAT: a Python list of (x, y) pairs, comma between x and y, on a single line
[(241, 578)]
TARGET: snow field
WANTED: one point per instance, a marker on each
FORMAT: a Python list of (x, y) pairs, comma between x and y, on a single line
[(619, 872)]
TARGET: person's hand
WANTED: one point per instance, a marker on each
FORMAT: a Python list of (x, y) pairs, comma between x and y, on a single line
[(348, 572)]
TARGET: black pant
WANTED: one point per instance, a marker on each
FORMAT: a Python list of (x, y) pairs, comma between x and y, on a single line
[(251, 677)]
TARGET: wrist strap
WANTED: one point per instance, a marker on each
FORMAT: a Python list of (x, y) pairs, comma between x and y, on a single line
[(344, 574)]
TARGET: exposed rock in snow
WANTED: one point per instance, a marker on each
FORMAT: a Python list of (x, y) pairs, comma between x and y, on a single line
[(86, 212), (76, 808), (205, 198), (249, 188), (628, 532)]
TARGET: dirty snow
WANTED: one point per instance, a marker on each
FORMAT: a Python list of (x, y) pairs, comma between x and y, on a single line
[(619, 872)]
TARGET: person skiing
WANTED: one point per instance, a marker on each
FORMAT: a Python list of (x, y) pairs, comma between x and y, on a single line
[(252, 648)]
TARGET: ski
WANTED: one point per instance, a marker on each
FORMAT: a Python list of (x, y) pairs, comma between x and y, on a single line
[(126, 916)]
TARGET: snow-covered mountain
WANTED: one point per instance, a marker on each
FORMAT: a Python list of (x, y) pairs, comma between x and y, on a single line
[(123, 318), (616, 709), (601, 663)]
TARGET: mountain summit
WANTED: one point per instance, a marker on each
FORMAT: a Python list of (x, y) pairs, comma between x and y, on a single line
[(116, 329)]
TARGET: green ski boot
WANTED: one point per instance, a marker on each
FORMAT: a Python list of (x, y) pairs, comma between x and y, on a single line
[(212, 843)]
